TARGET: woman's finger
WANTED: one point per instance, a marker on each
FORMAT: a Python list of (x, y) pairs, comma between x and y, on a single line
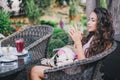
[(71, 30), (81, 33), (76, 27), (70, 33)]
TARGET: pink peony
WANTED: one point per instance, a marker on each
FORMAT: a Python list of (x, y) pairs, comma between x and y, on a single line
[(75, 56), (61, 51)]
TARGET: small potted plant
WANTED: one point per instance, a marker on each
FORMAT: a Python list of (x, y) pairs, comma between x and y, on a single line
[(72, 11)]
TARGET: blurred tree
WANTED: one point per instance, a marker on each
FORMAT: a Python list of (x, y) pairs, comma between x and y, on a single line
[(90, 5), (114, 7), (32, 11)]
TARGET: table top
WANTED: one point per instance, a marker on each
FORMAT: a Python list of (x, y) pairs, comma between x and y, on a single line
[(8, 68)]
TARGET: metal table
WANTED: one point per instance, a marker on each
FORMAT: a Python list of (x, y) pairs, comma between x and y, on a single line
[(9, 70)]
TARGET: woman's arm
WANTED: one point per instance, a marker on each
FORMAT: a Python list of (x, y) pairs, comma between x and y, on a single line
[(77, 37), (79, 50)]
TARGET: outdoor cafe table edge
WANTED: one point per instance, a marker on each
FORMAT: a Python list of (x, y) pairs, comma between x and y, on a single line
[(21, 67)]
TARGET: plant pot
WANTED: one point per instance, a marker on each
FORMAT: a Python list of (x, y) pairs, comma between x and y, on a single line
[(78, 17), (72, 18)]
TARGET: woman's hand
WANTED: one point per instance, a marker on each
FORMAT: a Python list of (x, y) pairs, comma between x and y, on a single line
[(75, 35)]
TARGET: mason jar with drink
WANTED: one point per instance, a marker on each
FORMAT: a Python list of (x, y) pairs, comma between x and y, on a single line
[(19, 45)]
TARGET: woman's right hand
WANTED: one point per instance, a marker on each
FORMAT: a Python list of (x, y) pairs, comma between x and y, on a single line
[(75, 35)]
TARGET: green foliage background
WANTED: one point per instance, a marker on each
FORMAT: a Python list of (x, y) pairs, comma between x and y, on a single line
[(32, 11), (59, 39), (5, 23)]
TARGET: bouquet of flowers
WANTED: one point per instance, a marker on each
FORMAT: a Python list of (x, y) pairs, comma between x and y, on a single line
[(65, 55)]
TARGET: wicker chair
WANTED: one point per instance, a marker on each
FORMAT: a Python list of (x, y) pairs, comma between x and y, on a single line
[(109, 67), (36, 40), (79, 70)]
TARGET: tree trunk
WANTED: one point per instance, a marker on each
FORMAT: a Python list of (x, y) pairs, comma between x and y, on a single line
[(97, 3), (90, 5), (115, 11), (109, 3)]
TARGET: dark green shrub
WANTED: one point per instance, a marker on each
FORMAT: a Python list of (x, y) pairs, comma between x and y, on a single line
[(5, 24), (62, 36), (58, 30), (51, 23), (58, 40), (53, 44)]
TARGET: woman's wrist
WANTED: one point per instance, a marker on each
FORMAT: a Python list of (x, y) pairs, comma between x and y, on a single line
[(76, 45)]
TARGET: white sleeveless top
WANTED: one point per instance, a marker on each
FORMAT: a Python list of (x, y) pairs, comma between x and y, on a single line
[(87, 44)]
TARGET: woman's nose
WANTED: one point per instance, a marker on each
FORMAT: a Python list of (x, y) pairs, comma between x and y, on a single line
[(88, 23)]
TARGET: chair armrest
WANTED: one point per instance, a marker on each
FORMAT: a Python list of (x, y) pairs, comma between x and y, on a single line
[(62, 74), (69, 72)]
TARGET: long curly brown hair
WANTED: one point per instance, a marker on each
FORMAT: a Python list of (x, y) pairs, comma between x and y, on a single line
[(103, 36)]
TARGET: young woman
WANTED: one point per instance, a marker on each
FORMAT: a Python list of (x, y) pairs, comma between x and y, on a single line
[(99, 39)]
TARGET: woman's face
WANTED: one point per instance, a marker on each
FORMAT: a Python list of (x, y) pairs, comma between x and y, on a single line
[(92, 22)]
